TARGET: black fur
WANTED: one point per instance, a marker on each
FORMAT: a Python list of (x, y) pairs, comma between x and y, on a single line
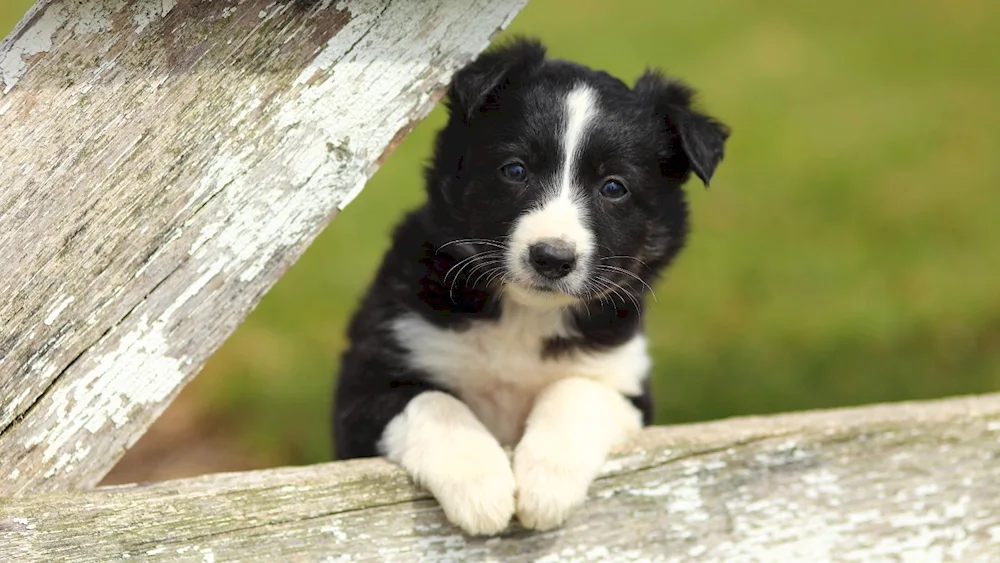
[(507, 105)]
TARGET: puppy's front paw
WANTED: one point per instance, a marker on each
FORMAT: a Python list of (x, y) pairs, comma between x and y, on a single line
[(478, 496), (547, 490)]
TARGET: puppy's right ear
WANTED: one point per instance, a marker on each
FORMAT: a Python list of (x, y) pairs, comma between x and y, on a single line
[(475, 86)]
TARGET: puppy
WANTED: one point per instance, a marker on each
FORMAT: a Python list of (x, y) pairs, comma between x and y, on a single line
[(508, 312)]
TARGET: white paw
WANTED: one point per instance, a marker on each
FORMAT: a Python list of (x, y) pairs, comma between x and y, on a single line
[(547, 491), (478, 497), (480, 504), (446, 449)]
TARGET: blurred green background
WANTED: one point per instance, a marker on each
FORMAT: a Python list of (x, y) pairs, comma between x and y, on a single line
[(847, 252)]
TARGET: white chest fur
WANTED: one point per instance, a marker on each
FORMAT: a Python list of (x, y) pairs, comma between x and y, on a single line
[(496, 367)]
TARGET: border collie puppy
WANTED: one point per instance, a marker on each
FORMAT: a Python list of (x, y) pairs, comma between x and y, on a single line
[(508, 312)]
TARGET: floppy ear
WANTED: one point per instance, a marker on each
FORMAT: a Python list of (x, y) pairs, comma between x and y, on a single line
[(702, 138), (473, 87)]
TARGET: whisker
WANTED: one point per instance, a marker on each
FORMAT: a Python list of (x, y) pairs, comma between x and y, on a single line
[(501, 273), (628, 273), (458, 274), (474, 241), (601, 291), (625, 257), (458, 264), (503, 287), (631, 297), (487, 260), (593, 291), (487, 272), (613, 292)]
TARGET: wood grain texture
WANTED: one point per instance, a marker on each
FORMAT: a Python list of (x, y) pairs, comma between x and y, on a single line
[(904, 482), (163, 162)]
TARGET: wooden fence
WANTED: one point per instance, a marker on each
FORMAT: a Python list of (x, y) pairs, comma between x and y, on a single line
[(163, 162)]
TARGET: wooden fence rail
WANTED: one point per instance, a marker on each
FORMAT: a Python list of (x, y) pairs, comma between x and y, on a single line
[(906, 482)]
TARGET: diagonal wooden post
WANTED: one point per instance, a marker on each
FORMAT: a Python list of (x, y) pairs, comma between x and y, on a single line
[(162, 163)]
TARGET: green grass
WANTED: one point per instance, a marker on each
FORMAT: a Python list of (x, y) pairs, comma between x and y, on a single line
[(847, 252)]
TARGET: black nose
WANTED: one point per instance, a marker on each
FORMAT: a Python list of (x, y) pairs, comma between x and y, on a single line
[(553, 259)]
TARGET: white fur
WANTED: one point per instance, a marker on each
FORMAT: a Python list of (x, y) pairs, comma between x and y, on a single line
[(562, 414), (497, 367), (562, 216), (573, 426), (580, 111), (446, 449)]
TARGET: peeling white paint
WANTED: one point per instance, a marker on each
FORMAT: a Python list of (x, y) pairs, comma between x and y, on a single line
[(80, 18), (334, 531), (353, 193), (14, 403), (340, 44), (146, 12), (652, 490), (138, 372), (32, 41), (58, 308), (141, 371), (619, 463), (822, 484), (94, 16)]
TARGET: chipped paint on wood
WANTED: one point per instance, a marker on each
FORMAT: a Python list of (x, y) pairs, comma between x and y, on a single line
[(25, 43), (906, 482), (58, 308), (192, 158), (146, 12)]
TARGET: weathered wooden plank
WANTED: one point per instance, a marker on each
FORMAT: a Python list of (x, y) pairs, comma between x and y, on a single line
[(162, 163), (908, 482)]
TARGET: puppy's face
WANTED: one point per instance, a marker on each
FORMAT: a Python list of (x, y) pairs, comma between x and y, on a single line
[(568, 178)]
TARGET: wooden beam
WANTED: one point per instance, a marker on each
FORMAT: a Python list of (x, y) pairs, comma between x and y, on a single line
[(907, 482), (163, 162)]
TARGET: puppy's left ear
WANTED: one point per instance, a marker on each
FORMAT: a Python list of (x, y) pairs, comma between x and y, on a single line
[(701, 137)]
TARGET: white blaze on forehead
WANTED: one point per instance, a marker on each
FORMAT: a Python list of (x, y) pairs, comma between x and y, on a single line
[(580, 111), (562, 216)]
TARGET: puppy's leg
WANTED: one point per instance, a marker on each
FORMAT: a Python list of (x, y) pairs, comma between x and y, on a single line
[(447, 449), (574, 424)]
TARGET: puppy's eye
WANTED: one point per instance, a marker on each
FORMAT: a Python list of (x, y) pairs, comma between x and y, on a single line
[(613, 189), (514, 171)]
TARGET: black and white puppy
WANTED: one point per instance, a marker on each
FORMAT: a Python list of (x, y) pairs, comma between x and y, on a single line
[(508, 310)]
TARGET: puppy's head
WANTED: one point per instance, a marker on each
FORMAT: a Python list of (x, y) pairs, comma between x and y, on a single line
[(570, 179)]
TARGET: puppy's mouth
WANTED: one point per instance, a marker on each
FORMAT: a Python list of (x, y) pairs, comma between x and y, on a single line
[(546, 287)]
